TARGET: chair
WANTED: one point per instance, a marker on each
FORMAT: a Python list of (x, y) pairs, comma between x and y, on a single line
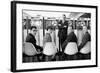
[(71, 48), (49, 50), (71, 51), (86, 49), (85, 52), (29, 51)]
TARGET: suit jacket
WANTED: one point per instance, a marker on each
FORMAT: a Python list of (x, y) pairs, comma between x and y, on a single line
[(62, 33), (85, 39), (70, 38), (31, 39)]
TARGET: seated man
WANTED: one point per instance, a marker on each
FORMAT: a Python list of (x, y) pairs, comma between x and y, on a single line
[(47, 37), (71, 38), (31, 38), (49, 47), (86, 38)]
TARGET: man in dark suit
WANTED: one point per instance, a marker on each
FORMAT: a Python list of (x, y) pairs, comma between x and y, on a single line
[(71, 37), (86, 38), (62, 33), (31, 38)]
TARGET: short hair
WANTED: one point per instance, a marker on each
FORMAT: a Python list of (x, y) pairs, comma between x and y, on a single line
[(33, 27), (50, 27), (64, 15)]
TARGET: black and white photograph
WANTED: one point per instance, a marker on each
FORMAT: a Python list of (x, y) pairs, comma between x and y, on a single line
[(56, 36), (53, 36)]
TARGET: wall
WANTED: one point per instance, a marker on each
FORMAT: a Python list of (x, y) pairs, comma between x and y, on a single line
[(5, 36)]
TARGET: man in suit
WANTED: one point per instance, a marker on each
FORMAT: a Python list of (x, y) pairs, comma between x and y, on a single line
[(49, 49), (47, 37), (71, 37), (31, 38), (62, 33), (85, 39)]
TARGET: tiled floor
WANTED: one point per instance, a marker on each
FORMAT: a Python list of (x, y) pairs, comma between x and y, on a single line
[(57, 57)]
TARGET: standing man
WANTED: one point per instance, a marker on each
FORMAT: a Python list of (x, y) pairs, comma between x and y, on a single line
[(62, 33)]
